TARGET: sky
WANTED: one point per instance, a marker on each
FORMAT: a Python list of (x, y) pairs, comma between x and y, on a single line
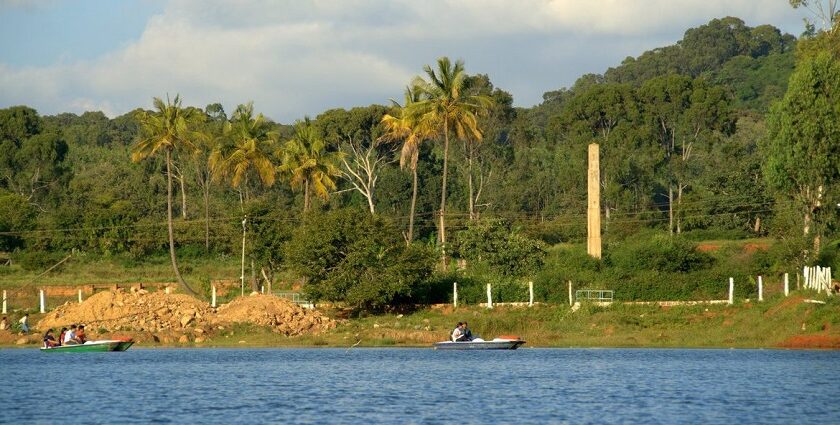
[(296, 58)]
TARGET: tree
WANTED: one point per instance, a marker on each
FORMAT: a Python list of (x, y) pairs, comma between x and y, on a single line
[(168, 128), (405, 126), (828, 12), (348, 255), (446, 104), (804, 143), (362, 170), (245, 148), (307, 164)]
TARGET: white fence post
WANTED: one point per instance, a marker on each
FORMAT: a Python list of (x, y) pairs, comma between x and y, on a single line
[(805, 277), (455, 294), (530, 294), (787, 285), (731, 290), (489, 297), (41, 296), (760, 289), (213, 296), (80, 296), (571, 300), (4, 301)]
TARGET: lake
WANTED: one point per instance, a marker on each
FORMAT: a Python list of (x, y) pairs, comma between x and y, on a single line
[(359, 386)]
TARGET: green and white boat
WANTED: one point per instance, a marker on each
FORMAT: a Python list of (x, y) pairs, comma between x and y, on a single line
[(93, 346)]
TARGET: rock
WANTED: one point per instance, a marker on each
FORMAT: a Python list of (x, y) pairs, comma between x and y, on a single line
[(184, 339), (200, 339), (22, 341), (185, 320), (375, 325), (198, 331)]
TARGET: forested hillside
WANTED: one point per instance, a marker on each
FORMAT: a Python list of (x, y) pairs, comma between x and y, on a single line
[(695, 141)]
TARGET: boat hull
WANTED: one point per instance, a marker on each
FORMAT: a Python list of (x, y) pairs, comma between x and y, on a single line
[(92, 346), (480, 345)]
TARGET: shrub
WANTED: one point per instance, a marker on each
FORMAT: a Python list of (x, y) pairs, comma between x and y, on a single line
[(38, 260), (350, 256)]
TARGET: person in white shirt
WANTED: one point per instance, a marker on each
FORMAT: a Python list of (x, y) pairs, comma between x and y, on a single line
[(69, 335), (458, 333)]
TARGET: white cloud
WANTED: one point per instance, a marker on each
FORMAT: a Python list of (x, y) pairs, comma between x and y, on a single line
[(295, 58)]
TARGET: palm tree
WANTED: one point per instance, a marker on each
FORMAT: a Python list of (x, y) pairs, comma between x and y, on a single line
[(167, 129), (447, 106), (307, 164), (245, 147), (412, 131)]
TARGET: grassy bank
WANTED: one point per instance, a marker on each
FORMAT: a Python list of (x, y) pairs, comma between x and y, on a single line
[(778, 322)]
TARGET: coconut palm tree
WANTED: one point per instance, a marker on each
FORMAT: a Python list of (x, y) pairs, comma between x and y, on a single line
[(307, 164), (411, 130), (168, 128), (453, 111), (245, 147)]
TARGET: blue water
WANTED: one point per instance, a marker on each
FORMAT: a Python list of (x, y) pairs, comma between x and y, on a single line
[(360, 386)]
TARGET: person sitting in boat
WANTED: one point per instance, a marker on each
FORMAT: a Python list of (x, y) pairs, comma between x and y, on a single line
[(468, 336), (80, 335), (61, 336), (458, 332), (69, 336), (49, 339)]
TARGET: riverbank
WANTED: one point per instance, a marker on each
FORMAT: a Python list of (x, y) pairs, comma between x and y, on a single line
[(778, 322)]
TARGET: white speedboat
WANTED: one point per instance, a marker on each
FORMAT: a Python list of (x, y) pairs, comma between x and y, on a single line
[(500, 343)]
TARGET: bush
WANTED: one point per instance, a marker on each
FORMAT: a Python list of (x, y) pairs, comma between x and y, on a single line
[(503, 250), (38, 260), (350, 256), (658, 252)]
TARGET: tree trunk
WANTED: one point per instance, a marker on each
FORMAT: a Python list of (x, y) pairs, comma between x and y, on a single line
[(413, 204), (670, 208), (180, 279), (207, 217), (183, 197), (470, 181), (679, 204), (306, 195), (443, 193)]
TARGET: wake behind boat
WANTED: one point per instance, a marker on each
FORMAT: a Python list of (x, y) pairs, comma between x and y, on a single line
[(501, 343), (93, 346)]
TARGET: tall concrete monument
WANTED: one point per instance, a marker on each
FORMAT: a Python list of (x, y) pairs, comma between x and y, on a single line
[(593, 211)]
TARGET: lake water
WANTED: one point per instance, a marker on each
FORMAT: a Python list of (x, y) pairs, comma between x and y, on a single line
[(360, 386)]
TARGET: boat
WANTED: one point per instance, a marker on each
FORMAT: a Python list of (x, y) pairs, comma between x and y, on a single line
[(500, 343), (102, 345)]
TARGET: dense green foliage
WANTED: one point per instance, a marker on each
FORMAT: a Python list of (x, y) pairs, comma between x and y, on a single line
[(698, 140)]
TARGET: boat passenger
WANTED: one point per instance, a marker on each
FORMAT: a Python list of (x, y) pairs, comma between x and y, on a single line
[(458, 333), (80, 335), (61, 336), (70, 335), (468, 336), (49, 340)]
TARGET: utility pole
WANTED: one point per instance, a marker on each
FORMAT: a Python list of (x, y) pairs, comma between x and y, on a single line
[(593, 212), (242, 274)]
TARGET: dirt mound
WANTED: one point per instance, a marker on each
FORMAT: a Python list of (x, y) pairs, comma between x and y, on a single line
[(282, 315), (131, 311), (158, 312)]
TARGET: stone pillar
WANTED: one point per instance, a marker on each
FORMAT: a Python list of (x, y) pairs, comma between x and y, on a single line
[(593, 212)]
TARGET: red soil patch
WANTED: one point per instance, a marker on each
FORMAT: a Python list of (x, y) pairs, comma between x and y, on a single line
[(753, 247), (811, 341), (707, 247)]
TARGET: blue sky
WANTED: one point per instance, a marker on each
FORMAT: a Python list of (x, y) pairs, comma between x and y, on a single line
[(300, 57)]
